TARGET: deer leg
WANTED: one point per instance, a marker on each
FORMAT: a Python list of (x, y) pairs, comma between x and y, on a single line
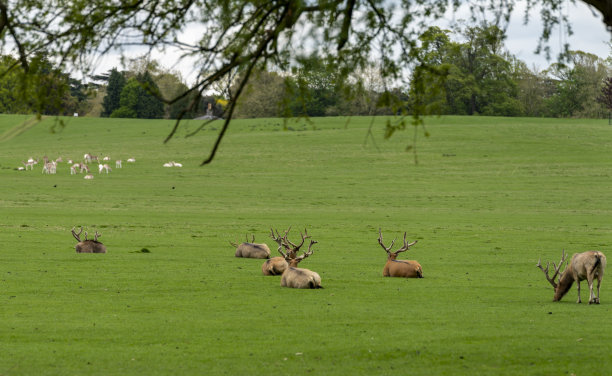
[(591, 295), (578, 285), (598, 285)]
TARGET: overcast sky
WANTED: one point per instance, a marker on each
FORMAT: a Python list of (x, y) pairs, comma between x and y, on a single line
[(589, 35)]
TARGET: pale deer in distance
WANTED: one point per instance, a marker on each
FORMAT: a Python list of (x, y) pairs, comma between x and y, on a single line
[(251, 249), (586, 265), (277, 265), (299, 278), (88, 246), (400, 268)]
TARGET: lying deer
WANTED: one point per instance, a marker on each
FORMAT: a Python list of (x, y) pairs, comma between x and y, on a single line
[(88, 246), (299, 278), (252, 249), (400, 268), (277, 265), (586, 265)]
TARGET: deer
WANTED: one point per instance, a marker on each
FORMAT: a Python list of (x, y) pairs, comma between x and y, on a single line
[(277, 265), (88, 246), (251, 249), (400, 268), (586, 265), (118, 163), (299, 278)]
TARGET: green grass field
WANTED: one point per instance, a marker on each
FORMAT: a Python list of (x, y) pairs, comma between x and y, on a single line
[(487, 199)]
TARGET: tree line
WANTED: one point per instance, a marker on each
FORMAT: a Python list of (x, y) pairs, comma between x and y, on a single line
[(475, 75)]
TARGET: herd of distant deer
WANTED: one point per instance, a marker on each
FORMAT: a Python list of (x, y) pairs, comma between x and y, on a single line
[(50, 166)]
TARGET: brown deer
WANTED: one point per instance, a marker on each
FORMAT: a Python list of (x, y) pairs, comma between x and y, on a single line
[(251, 249), (88, 246), (277, 265), (299, 278), (586, 265), (400, 268)]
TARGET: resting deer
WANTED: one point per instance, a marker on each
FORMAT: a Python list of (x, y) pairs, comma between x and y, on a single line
[(400, 268), (252, 249), (277, 265), (88, 246), (586, 265), (299, 278)]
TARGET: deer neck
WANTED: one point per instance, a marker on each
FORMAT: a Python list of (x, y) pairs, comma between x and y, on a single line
[(565, 283)]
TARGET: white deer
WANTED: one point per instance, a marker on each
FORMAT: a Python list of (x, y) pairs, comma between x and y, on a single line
[(118, 163)]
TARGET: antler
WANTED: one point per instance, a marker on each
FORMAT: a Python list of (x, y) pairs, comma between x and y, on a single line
[(296, 247), (380, 241), (77, 236), (96, 236), (277, 238), (247, 238), (306, 254), (406, 245), (557, 268)]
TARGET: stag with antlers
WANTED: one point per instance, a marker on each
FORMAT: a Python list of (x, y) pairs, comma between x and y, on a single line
[(299, 278), (250, 249), (277, 265), (88, 246), (586, 265), (400, 268)]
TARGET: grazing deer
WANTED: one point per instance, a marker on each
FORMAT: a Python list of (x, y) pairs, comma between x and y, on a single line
[(400, 268), (587, 265), (252, 249), (299, 278), (30, 163), (277, 265), (88, 246), (49, 168), (83, 167), (131, 160)]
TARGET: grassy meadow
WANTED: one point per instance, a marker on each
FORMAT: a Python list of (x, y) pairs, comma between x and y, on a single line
[(488, 197)]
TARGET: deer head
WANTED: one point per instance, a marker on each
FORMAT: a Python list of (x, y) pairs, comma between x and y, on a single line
[(558, 271), (292, 258)]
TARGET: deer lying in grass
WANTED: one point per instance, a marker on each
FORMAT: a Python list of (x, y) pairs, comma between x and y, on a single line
[(252, 249), (299, 278), (277, 265), (587, 265), (400, 268), (88, 246)]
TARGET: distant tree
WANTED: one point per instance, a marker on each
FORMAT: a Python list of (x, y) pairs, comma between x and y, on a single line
[(605, 97), (137, 100), (111, 102), (263, 96), (150, 105), (577, 86)]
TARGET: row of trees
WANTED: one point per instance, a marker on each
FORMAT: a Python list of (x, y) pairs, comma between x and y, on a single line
[(473, 76)]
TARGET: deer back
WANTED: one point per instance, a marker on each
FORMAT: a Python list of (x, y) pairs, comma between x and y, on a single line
[(90, 246), (403, 268), (253, 250), (585, 263), (299, 278), (274, 266)]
